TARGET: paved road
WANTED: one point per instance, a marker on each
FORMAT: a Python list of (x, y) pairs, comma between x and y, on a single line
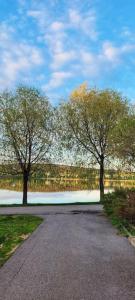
[(48, 209), (75, 254)]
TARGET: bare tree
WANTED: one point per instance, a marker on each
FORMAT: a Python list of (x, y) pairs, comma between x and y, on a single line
[(26, 132)]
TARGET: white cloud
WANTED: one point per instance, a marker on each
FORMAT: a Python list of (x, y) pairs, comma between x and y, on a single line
[(93, 64), (69, 39), (61, 58), (84, 22), (110, 52), (56, 26), (35, 14), (55, 39), (73, 19), (127, 48), (114, 54), (89, 63), (41, 17), (128, 34), (57, 79), (17, 58), (57, 34)]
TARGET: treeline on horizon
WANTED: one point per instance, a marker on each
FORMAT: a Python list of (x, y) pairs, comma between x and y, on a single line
[(92, 127), (51, 170)]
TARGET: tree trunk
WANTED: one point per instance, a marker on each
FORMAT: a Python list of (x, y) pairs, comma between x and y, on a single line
[(25, 187), (101, 179)]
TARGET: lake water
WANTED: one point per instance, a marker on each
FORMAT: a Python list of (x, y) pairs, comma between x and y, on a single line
[(13, 197), (57, 191)]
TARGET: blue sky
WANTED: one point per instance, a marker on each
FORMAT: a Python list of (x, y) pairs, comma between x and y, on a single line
[(56, 45)]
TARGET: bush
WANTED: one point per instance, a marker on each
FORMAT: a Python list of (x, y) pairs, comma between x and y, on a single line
[(121, 204)]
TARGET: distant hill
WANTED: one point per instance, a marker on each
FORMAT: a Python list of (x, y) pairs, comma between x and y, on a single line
[(65, 171)]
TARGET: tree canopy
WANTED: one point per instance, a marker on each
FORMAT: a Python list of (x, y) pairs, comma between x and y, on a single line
[(94, 124), (89, 119), (27, 131), (125, 139)]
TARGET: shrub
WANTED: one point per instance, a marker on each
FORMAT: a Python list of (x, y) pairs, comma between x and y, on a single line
[(121, 204)]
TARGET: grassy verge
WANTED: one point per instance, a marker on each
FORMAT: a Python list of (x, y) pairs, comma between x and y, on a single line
[(120, 208), (14, 230)]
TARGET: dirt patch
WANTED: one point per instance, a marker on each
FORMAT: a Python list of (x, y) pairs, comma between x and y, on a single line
[(132, 240), (24, 236)]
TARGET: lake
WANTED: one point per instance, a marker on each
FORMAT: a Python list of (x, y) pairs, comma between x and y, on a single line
[(13, 197), (57, 191)]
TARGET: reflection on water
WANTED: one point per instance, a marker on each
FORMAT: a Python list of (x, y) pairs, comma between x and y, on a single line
[(56, 190), (57, 185), (13, 197)]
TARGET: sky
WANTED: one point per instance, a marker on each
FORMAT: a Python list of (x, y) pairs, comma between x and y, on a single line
[(55, 45)]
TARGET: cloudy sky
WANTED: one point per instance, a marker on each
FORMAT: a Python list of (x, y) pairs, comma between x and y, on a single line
[(56, 45)]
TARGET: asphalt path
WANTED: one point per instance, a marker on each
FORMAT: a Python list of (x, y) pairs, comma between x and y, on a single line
[(75, 254)]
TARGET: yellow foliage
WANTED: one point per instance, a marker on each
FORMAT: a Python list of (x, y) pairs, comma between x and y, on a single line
[(80, 92)]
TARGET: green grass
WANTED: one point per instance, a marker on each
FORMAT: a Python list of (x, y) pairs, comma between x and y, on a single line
[(123, 226), (13, 231)]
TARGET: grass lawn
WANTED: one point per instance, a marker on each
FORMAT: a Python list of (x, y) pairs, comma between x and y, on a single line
[(14, 230), (123, 226)]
